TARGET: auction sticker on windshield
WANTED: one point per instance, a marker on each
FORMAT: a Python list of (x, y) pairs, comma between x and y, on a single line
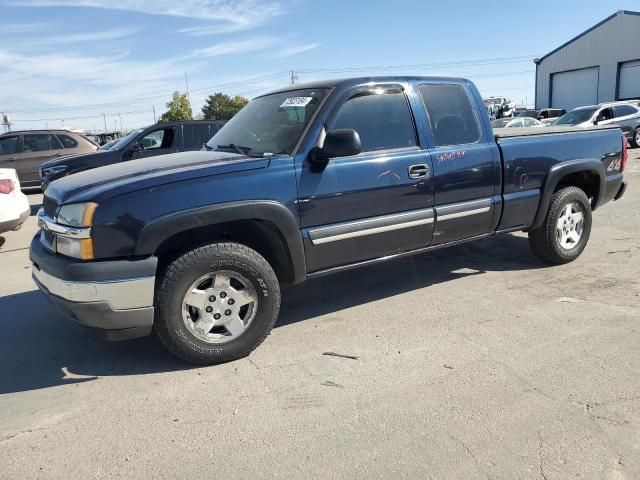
[(296, 102)]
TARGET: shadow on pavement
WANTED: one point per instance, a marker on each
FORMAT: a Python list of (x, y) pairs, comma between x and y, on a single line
[(40, 349)]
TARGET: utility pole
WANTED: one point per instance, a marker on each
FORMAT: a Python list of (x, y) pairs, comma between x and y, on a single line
[(186, 81), (294, 77), (154, 115), (120, 117), (63, 123), (6, 122), (104, 118), (115, 125)]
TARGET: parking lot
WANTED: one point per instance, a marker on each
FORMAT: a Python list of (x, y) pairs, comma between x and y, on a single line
[(477, 361)]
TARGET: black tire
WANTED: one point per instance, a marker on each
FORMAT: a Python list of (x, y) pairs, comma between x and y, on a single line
[(544, 240), (177, 278), (635, 140)]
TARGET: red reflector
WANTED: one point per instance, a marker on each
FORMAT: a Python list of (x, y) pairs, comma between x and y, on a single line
[(625, 153), (6, 185)]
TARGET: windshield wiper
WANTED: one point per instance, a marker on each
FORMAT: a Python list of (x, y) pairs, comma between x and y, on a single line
[(238, 148)]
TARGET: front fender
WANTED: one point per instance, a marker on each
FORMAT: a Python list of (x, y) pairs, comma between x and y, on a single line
[(557, 173), (159, 230)]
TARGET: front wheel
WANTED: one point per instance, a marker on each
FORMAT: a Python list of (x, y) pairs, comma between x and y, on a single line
[(216, 303), (566, 229)]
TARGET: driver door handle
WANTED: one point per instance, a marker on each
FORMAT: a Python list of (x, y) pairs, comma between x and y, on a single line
[(418, 171)]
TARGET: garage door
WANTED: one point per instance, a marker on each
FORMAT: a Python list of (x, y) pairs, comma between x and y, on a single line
[(574, 89), (629, 86)]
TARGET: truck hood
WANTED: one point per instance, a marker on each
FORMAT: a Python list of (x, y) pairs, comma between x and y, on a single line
[(117, 179)]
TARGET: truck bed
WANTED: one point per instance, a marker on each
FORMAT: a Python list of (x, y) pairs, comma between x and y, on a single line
[(526, 132)]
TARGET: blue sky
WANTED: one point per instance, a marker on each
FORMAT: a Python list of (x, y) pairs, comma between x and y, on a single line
[(77, 59)]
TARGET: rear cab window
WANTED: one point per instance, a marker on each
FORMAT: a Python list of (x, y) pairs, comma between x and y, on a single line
[(450, 113), (381, 116)]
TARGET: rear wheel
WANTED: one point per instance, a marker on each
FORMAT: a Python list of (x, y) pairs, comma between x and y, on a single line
[(216, 303), (635, 141), (566, 229)]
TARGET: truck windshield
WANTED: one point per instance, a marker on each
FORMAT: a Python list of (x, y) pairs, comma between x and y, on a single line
[(124, 141), (269, 125), (574, 117)]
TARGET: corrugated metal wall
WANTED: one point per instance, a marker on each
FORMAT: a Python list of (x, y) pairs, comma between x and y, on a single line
[(615, 41)]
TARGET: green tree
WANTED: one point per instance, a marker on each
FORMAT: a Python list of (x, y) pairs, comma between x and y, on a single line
[(221, 106), (178, 108)]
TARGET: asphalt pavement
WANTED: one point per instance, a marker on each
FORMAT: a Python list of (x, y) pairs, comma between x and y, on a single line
[(475, 362)]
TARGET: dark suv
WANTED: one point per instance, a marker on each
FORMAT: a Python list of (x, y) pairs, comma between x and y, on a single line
[(158, 139)]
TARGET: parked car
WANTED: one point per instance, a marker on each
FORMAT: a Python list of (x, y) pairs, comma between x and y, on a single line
[(545, 115), (622, 114), (14, 205), (27, 151), (305, 181), (158, 139), (518, 122), (550, 115)]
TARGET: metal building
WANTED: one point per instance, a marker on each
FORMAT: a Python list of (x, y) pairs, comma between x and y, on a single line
[(601, 64)]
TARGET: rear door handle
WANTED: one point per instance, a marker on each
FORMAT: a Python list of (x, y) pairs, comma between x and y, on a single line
[(418, 171)]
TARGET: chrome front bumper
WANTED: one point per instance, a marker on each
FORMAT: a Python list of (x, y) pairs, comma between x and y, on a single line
[(115, 296), (122, 294)]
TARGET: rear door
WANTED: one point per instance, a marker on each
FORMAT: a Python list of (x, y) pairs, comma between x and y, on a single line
[(627, 117), (195, 135), (374, 204), (466, 163), (37, 148)]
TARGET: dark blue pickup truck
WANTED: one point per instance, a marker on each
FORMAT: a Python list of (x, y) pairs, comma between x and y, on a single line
[(305, 181)]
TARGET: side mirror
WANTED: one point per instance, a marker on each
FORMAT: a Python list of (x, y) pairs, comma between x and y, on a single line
[(343, 142), (595, 122), (136, 147)]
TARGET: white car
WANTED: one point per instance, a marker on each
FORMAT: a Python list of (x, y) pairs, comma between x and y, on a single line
[(14, 205), (518, 122)]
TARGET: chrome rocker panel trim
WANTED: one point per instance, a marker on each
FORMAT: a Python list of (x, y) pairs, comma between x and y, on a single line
[(371, 226)]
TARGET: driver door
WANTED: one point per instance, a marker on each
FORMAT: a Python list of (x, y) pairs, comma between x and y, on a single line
[(376, 203)]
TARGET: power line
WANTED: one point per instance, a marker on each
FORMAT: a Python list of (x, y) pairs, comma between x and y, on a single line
[(293, 76)]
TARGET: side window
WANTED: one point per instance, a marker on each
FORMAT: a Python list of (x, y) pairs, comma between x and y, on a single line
[(196, 135), (543, 114), (40, 142), (383, 120), (9, 145), (623, 110), (158, 139), (605, 114), (67, 141), (450, 114)]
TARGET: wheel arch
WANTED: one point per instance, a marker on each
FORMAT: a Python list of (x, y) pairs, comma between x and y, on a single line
[(588, 174), (267, 226)]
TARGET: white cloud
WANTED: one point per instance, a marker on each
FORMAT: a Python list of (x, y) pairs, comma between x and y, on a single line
[(235, 47), (104, 35), (237, 14), (294, 50), (23, 28)]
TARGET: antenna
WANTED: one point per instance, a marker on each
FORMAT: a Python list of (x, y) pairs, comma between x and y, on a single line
[(294, 76)]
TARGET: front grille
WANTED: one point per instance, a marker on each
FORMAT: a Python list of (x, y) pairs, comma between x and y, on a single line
[(50, 206)]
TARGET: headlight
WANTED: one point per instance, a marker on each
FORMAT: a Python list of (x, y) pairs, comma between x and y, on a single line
[(53, 170), (77, 214), (76, 241)]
